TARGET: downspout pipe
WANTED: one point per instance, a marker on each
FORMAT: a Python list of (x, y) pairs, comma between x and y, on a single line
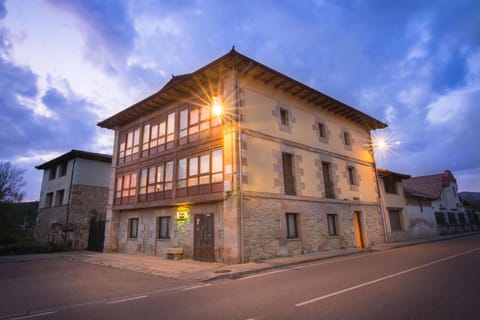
[(380, 199)]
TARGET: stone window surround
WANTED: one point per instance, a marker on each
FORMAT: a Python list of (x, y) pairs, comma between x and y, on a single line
[(333, 173), (298, 172), (316, 128), (290, 116), (345, 131), (356, 178)]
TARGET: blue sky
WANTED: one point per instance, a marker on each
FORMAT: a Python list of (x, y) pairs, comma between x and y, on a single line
[(65, 65)]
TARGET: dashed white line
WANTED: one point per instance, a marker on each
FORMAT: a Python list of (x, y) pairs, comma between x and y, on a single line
[(34, 315), (385, 278), (127, 299), (196, 287)]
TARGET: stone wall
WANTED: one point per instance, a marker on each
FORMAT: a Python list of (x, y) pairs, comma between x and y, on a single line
[(45, 218), (86, 203), (266, 227), (147, 241)]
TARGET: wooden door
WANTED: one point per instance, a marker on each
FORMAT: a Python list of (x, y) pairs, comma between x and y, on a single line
[(358, 229), (204, 248)]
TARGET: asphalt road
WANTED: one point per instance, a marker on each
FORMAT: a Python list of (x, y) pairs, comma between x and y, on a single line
[(438, 280)]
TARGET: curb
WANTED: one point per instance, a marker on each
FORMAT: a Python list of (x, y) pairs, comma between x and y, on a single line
[(241, 274)]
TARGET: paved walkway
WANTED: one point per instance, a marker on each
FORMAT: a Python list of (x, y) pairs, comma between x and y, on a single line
[(206, 271)]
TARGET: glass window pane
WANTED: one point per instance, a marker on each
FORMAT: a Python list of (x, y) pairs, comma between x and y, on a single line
[(193, 167), (133, 180), (194, 116), (182, 168), (146, 133), (129, 139), (160, 173), (217, 163), (151, 175), (143, 178), (169, 171), (136, 137), (205, 164), (171, 123), (154, 131), (126, 181), (183, 119), (161, 129)]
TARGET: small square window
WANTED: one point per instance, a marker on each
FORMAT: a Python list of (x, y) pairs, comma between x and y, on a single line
[(284, 116), (62, 170), (133, 228), (49, 199), (347, 139), (321, 130), (395, 219), (332, 225), (59, 197), (164, 227), (52, 173), (292, 228)]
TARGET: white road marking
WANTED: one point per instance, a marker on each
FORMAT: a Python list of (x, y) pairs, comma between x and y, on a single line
[(127, 299), (34, 315), (196, 287), (385, 278)]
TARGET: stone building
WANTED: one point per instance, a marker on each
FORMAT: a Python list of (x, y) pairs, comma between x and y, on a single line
[(236, 162), (73, 200), (394, 204), (442, 190)]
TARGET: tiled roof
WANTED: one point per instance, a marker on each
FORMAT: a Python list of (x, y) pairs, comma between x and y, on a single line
[(180, 85), (75, 154), (429, 186), (384, 172)]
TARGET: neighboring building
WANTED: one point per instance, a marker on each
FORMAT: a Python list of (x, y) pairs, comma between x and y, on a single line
[(421, 215), (285, 169), (471, 204), (394, 204), (73, 199), (443, 192)]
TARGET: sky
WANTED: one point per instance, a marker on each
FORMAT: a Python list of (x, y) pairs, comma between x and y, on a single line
[(66, 65)]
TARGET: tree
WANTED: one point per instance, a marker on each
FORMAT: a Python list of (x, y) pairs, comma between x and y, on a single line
[(11, 182)]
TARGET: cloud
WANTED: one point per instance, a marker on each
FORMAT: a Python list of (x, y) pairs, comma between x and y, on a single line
[(107, 28)]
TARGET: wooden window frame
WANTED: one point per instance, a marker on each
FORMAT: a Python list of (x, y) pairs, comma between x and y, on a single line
[(288, 173), (395, 217), (167, 220), (332, 223), (292, 230), (133, 228), (284, 117)]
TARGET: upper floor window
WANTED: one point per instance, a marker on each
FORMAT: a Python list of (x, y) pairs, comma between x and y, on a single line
[(352, 176), (59, 197), (52, 172), (49, 199), (327, 180), (321, 130), (288, 178), (390, 185), (129, 148), (62, 169), (347, 138), (126, 188), (284, 116)]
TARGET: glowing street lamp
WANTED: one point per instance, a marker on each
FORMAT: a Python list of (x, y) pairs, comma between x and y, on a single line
[(217, 109)]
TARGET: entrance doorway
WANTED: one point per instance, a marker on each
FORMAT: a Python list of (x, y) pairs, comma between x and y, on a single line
[(203, 246), (357, 217), (96, 235)]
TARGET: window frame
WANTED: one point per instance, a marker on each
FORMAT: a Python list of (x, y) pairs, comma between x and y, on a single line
[(352, 175), (288, 174), (390, 185), (59, 197), (332, 223), (52, 173), (284, 119), (292, 229), (347, 138), (133, 232), (167, 220), (48, 200), (396, 224)]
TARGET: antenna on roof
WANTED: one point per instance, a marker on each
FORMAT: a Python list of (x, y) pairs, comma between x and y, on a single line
[(233, 48), (173, 76)]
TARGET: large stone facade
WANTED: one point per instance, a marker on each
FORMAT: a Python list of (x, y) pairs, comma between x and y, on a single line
[(266, 235), (68, 224)]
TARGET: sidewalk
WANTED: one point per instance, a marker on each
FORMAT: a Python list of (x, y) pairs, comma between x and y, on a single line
[(207, 271)]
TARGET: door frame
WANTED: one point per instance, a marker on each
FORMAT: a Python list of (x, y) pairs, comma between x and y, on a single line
[(357, 218), (204, 253)]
